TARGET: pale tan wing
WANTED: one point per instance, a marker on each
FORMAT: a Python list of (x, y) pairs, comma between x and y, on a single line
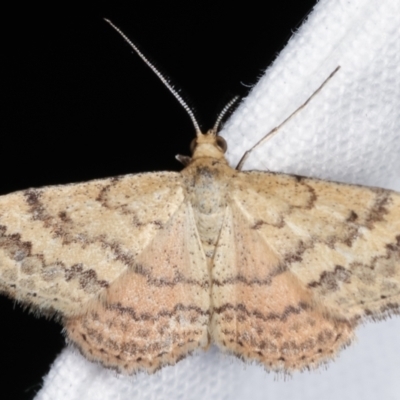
[(262, 311), (62, 246), (341, 241), (157, 312)]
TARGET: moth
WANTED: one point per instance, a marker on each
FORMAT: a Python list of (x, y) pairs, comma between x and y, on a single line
[(145, 269)]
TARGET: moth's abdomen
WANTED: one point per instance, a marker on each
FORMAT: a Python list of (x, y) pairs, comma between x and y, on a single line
[(207, 183), (209, 228)]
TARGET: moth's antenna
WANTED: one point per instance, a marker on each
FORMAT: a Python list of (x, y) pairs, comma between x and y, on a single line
[(223, 113), (160, 76), (271, 133)]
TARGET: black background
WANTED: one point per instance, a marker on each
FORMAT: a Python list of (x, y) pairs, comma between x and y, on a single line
[(78, 105)]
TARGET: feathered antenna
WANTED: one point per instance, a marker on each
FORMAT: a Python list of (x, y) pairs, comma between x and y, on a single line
[(162, 78), (223, 113)]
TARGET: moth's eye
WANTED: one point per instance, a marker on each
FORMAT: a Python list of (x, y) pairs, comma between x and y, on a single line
[(193, 145), (221, 143)]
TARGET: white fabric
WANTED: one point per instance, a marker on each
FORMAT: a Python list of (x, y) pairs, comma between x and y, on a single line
[(349, 132)]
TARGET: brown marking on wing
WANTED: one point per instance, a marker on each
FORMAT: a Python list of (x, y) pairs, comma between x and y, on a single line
[(34, 265), (61, 246), (344, 247), (279, 326), (143, 322), (275, 319)]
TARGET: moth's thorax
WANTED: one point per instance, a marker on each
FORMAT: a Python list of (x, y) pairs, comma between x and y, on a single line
[(208, 182)]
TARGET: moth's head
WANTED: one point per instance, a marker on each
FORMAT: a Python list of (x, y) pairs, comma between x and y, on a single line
[(207, 144)]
